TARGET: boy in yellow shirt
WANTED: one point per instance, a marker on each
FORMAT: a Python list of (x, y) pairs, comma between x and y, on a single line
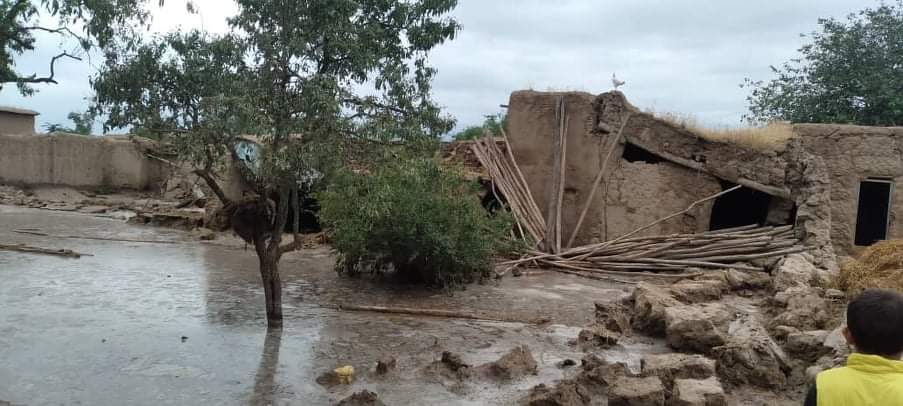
[(873, 375)]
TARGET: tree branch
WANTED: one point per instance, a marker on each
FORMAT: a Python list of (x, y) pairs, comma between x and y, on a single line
[(49, 79)]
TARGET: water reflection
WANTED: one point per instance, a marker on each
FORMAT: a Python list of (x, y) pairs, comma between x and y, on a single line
[(264, 381)]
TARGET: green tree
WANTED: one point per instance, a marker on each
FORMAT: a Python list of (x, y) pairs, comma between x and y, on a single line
[(494, 124), (82, 123), (850, 72), (315, 82), (98, 22)]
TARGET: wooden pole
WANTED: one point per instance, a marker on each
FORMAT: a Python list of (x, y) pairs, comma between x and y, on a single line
[(598, 180)]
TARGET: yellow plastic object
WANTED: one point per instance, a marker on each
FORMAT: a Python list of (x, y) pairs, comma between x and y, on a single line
[(346, 374)]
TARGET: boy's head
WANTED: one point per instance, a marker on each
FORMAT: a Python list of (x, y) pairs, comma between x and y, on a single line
[(875, 323)]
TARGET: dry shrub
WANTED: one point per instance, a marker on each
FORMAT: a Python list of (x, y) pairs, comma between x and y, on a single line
[(878, 266), (772, 136)]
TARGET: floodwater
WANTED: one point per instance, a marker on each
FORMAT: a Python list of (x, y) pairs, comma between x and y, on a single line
[(183, 323)]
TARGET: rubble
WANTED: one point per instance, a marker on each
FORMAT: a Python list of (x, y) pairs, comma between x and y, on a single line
[(517, 363), (385, 365), (566, 393), (672, 366), (807, 346), (793, 272), (698, 392), (696, 291), (696, 327), (751, 356), (805, 309), (362, 398), (650, 302), (628, 391)]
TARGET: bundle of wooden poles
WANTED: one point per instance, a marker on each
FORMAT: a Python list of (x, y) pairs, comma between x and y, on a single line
[(723, 249), (508, 178)]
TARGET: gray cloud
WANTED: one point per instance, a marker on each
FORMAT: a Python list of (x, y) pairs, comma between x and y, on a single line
[(677, 56)]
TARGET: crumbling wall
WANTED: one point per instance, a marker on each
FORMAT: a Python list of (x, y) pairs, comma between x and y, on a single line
[(74, 160), (639, 193), (852, 154), (632, 194), (533, 128)]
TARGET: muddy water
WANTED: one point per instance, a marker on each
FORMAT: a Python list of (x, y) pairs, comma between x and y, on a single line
[(161, 324)]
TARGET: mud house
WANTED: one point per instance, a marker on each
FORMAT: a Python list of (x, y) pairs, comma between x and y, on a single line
[(17, 121), (835, 182)]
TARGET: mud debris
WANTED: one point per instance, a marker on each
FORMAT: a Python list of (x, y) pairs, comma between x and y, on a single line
[(629, 391), (517, 363), (362, 398)]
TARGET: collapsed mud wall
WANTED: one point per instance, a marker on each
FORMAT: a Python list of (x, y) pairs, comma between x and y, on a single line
[(632, 194), (74, 160)]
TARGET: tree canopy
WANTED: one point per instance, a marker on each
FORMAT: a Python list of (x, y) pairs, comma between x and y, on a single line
[(494, 124), (310, 81), (850, 72), (87, 23)]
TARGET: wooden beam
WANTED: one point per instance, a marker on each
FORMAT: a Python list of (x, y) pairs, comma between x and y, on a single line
[(698, 166)]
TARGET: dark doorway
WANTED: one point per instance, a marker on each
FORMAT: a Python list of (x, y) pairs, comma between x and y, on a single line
[(741, 207), (873, 212)]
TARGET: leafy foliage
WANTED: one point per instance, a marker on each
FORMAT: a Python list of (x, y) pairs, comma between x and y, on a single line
[(493, 124), (82, 123), (418, 219), (851, 72), (316, 84), (101, 21)]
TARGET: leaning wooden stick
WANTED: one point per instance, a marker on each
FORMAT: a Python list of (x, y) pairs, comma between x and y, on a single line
[(44, 251), (662, 220), (598, 180), (437, 313)]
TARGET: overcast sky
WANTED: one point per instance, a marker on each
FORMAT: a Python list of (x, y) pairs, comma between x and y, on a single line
[(687, 57)]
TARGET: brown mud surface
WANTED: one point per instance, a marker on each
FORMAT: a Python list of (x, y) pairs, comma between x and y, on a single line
[(151, 324)]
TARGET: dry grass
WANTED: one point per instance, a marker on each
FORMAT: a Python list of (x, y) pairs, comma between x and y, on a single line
[(769, 137), (879, 266)]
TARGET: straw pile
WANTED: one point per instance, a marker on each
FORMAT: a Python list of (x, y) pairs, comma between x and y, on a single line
[(879, 266)]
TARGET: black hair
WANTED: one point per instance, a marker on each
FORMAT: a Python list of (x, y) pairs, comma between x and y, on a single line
[(875, 320)]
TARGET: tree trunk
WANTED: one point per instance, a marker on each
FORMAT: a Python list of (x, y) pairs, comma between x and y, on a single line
[(272, 283)]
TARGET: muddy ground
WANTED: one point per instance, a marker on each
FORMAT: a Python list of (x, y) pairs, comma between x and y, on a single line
[(183, 323)]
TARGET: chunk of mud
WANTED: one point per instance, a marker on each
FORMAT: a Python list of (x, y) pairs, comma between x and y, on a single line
[(515, 364), (805, 310), (362, 398), (604, 375), (385, 365), (565, 393), (698, 392), (697, 328), (742, 280), (751, 356), (807, 346), (453, 361), (614, 315), (598, 336), (793, 271), (698, 291), (650, 302), (628, 391), (329, 379), (449, 370), (567, 363), (673, 366)]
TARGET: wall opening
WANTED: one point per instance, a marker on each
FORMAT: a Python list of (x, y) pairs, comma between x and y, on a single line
[(741, 207), (633, 153), (873, 213)]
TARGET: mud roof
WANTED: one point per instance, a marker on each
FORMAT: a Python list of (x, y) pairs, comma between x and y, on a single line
[(16, 110)]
